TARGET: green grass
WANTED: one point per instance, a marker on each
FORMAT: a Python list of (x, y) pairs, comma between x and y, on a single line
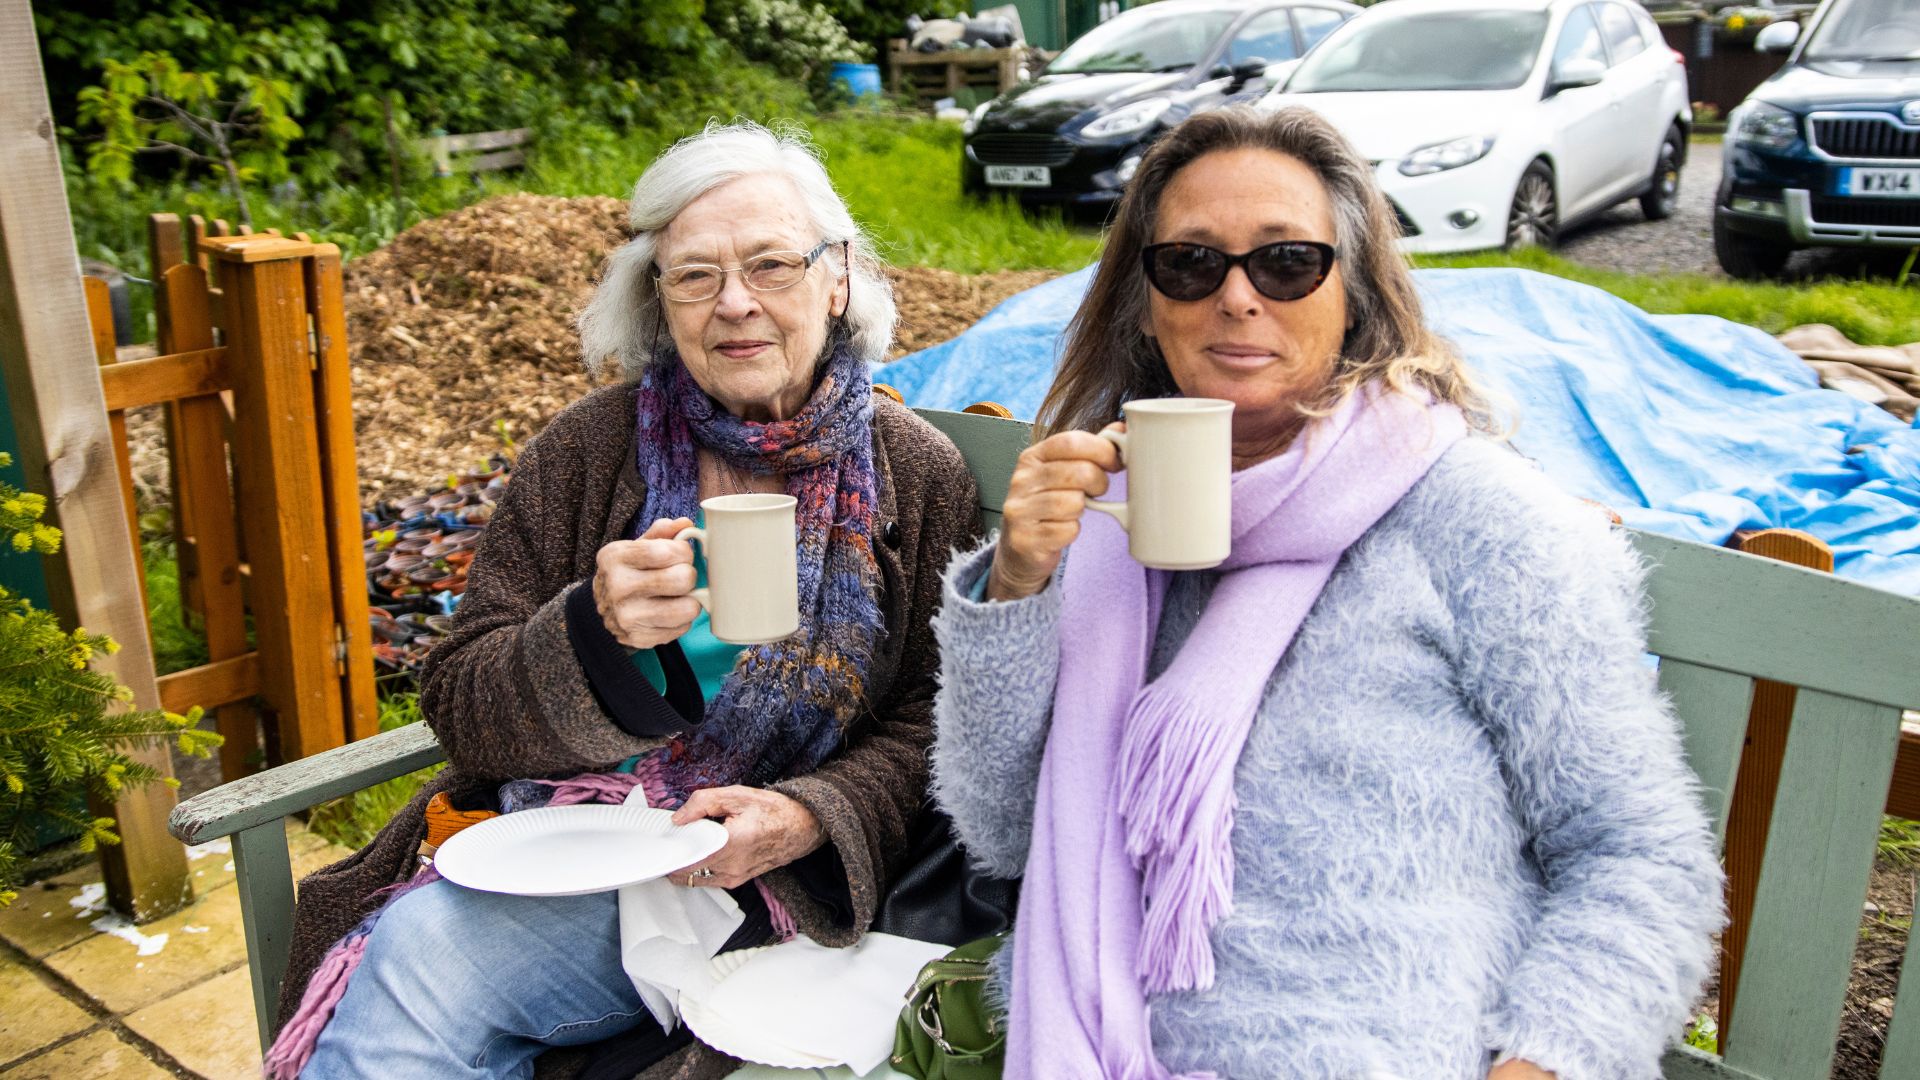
[(1899, 841), (1869, 312), (353, 820), (176, 644)]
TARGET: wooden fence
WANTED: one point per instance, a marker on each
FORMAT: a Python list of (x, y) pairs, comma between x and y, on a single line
[(253, 373)]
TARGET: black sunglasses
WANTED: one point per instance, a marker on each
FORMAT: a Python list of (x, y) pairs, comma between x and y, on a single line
[(1287, 270)]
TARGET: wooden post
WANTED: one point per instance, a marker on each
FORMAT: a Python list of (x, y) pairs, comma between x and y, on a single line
[(1751, 811), (202, 496), (166, 249), (333, 391), (100, 319), (60, 418), (282, 494)]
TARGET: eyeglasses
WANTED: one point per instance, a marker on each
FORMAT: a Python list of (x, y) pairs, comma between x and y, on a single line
[(1287, 270), (769, 271)]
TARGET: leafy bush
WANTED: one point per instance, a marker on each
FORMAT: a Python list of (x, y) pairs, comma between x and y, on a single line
[(63, 731)]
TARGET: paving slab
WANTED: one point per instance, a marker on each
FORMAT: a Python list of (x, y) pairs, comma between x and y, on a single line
[(35, 1014), (102, 1055), (208, 1028), (51, 915), (127, 967)]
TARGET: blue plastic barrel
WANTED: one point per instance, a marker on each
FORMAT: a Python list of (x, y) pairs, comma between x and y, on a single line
[(859, 80)]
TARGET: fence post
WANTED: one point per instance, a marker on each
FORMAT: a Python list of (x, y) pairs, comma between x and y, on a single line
[(282, 495), (60, 418)]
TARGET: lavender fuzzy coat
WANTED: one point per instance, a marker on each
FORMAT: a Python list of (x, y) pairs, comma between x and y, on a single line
[(1465, 827)]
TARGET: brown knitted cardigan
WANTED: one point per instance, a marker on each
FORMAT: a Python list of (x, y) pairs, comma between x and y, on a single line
[(507, 698)]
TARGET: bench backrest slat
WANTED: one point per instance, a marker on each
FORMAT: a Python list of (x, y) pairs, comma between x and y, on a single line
[(1806, 912), (991, 445), (1715, 704)]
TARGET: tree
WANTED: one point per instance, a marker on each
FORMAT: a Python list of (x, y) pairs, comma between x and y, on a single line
[(154, 105), (63, 725)]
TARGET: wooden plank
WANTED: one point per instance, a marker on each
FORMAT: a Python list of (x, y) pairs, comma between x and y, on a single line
[(991, 446), (158, 379), (166, 249), (277, 465), (196, 234), (263, 872), (333, 393), (212, 685), (203, 503), (100, 319), (301, 785), (1900, 1059), (489, 140), (1752, 807), (1820, 849), (1713, 707), (1720, 609), (60, 420), (499, 159)]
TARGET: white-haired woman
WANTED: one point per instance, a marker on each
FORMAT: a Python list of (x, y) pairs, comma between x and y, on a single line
[(744, 314)]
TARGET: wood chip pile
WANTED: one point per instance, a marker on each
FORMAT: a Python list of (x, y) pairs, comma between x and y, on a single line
[(465, 322)]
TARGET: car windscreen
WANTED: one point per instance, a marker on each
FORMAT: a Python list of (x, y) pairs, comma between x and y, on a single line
[(1867, 30), (1441, 50), (1144, 40)]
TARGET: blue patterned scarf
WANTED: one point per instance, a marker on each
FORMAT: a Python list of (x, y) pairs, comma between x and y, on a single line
[(786, 705)]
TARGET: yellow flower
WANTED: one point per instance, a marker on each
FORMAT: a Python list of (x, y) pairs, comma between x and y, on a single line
[(1735, 22), (23, 541)]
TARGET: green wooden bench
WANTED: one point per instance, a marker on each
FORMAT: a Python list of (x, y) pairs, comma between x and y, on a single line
[(1720, 620)]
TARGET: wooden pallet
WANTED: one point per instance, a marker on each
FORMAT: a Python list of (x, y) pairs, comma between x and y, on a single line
[(929, 77)]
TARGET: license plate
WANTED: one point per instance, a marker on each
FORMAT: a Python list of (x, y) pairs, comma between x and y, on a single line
[(1019, 175), (1886, 183)]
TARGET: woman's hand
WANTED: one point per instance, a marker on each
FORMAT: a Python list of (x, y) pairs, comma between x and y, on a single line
[(1519, 1070), (641, 586), (1051, 485), (765, 830)]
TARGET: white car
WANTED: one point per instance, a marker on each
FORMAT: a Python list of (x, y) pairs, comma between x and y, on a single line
[(1497, 123)]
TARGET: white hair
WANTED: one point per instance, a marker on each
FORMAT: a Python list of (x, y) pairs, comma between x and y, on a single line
[(624, 318)]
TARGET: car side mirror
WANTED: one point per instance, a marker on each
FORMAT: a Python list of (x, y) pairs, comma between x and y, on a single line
[(1253, 67), (1576, 73), (1220, 71), (1776, 37)]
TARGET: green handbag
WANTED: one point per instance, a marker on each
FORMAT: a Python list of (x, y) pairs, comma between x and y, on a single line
[(946, 1031)]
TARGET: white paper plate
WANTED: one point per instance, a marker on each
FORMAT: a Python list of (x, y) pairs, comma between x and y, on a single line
[(574, 850)]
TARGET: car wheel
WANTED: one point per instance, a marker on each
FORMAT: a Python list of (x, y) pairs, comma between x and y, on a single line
[(1663, 190), (1747, 257), (1534, 220)]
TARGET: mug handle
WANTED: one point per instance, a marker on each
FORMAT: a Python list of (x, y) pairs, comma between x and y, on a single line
[(1118, 510), (691, 533)]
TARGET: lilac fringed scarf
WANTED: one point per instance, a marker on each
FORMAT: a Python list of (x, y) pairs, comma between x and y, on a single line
[(786, 705), (1131, 864)]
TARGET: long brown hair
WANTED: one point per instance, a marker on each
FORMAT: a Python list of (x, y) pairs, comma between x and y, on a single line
[(1109, 359)]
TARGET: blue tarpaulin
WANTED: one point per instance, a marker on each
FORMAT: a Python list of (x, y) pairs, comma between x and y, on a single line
[(1687, 425)]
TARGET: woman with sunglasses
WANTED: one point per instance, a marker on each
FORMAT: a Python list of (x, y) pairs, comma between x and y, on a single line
[(741, 317), (1390, 793)]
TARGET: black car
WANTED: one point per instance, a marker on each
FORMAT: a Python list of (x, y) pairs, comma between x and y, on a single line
[(1826, 153), (1073, 137)]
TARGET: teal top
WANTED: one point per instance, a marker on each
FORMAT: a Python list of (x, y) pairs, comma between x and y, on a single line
[(710, 658)]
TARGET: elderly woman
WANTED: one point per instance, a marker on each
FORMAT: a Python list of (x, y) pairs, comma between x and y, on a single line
[(1391, 792), (744, 312)]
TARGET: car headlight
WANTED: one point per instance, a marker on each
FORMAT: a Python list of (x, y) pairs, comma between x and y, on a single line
[(1447, 155), (1762, 124), (1130, 120), (972, 122)]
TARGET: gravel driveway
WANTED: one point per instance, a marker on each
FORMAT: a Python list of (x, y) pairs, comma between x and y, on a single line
[(1623, 239)]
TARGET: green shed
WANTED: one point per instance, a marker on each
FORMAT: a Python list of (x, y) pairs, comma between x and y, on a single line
[(1051, 24)]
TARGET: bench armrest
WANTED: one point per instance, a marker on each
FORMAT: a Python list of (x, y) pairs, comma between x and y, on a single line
[(299, 785)]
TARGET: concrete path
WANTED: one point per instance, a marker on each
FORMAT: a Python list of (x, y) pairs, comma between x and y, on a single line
[(86, 996)]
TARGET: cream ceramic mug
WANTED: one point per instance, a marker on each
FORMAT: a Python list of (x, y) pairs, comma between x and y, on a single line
[(753, 579), (1178, 453)]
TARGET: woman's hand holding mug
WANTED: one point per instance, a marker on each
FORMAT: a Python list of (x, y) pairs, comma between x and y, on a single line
[(643, 588), (1051, 484)]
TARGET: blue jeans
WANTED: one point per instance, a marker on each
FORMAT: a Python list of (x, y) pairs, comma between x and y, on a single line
[(458, 983)]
